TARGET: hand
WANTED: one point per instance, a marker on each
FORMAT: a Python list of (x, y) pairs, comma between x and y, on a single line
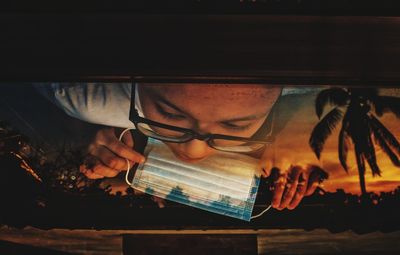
[(107, 155), (294, 183), (291, 182)]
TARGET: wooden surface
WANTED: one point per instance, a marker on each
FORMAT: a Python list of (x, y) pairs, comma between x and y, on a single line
[(303, 7), (77, 242), (289, 241), (189, 244), (276, 49), (322, 242)]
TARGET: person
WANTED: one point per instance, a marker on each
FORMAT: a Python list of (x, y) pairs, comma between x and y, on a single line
[(234, 110)]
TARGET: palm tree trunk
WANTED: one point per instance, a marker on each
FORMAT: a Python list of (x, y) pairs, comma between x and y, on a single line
[(362, 183), (361, 169)]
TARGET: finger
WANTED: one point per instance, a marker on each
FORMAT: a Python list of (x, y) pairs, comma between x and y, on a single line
[(103, 170), (89, 173), (124, 151), (265, 168), (265, 172), (291, 186), (127, 139), (89, 161), (107, 137), (109, 159), (312, 183), (300, 192), (160, 201), (322, 175), (279, 187), (317, 175)]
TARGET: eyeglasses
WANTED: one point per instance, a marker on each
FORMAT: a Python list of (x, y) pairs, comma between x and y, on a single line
[(173, 134)]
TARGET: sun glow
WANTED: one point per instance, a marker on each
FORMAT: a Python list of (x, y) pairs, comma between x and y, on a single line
[(292, 146)]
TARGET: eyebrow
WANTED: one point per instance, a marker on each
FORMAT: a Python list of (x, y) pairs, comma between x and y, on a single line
[(250, 117), (160, 98)]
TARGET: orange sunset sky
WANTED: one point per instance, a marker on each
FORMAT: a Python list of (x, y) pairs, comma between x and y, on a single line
[(292, 147)]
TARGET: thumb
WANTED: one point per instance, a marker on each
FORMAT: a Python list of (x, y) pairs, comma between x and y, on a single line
[(265, 169)]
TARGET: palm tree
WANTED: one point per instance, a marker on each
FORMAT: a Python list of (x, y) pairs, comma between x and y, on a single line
[(357, 108)]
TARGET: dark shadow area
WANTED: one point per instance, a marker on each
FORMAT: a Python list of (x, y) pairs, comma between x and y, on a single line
[(189, 244), (11, 248)]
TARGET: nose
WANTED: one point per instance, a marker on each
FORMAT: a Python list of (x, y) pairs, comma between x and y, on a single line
[(196, 149)]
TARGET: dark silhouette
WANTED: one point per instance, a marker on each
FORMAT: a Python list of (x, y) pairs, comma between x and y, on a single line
[(149, 191), (177, 194), (60, 200), (223, 201), (357, 108)]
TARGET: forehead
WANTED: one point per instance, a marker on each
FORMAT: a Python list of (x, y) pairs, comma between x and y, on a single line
[(210, 102), (221, 92)]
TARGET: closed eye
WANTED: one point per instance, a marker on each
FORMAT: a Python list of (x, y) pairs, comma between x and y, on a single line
[(235, 127), (169, 115)]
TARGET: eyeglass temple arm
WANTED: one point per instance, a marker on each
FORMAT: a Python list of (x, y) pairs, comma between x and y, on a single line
[(133, 113)]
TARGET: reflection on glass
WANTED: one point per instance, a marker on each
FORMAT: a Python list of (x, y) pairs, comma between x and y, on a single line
[(352, 134)]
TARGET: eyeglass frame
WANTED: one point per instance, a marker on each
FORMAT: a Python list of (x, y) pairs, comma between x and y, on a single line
[(135, 118)]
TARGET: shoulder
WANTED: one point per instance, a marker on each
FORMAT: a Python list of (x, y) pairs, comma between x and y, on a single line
[(99, 103)]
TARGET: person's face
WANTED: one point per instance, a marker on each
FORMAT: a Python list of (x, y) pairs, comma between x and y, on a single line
[(235, 110)]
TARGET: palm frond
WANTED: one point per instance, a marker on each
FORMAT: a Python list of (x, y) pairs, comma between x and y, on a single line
[(385, 104), (361, 166), (343, 147), (369, 150), (323, 129), (374, 166), (360, 161), (335, 96), (385, 147), (385, 134)]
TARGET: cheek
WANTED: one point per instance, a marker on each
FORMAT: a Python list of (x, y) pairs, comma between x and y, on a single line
[(258, 125), (248, 132), (253, 129), (173, 146), (150, 112), (176, 148), (149, 108)]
